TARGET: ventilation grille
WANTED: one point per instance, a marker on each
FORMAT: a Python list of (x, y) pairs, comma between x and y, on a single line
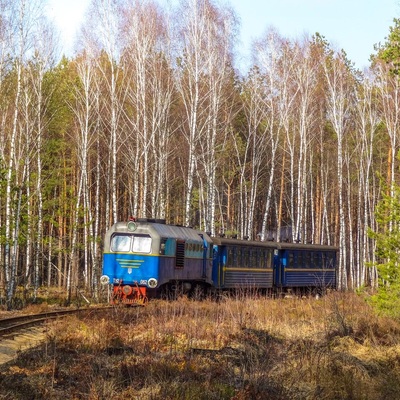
[(180, 254)]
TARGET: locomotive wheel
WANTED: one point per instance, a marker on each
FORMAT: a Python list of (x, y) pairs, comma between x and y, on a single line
[(172, 291)]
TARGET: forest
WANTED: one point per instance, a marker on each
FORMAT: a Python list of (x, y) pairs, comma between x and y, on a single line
[(151, 117)]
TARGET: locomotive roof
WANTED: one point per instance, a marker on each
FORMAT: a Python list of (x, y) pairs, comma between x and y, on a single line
[(163, 230), (179, 232)]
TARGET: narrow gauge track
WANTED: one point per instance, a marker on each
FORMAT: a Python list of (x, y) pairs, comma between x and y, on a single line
[(22, 332), (14, 324)]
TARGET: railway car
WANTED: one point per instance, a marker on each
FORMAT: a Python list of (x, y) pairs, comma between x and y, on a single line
[(278, 267), (305, 267), (144, 257), (243, 264)]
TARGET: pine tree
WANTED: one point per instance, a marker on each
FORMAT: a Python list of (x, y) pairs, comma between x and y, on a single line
[(390, 50), (387, 212), (387, 237)]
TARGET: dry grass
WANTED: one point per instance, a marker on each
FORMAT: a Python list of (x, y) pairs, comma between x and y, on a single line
[(246, 347)]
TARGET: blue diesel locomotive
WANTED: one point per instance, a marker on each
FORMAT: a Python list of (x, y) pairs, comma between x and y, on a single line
[(145, 258)]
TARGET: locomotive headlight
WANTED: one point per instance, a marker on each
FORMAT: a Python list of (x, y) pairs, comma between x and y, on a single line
[(131, 226), (152, 283), (104, 280)]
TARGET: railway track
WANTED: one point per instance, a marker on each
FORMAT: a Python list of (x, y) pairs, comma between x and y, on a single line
[(26, 331)]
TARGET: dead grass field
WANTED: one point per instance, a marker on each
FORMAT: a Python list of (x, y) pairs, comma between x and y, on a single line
[(242, 347)]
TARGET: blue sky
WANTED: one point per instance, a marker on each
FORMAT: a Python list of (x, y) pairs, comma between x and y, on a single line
[(354, 25)]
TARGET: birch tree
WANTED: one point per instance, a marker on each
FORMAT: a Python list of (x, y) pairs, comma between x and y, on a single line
[(147, 65), (388, 85), (220, 34), (368, 121), (41, 62), (100, 37), (305, 72), (21, 25), (251, 150), (84, 110), (99, 41), (193, 64), (339, 95), (274, 57)]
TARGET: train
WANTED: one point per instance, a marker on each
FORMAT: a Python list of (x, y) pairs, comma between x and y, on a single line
[(147, 258)]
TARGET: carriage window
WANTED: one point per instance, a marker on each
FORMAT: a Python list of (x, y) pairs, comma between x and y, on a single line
[(261, 258), (163, 245), (291, 263), (210, 251), (264, 259), (141, 244), (121, 243), (316, 260), (239, 257), (312, 260), (329, 261), (307, 259), (245, 257), (231, 261), (268, 260), (236, 254), (254, 257), (300, 259)]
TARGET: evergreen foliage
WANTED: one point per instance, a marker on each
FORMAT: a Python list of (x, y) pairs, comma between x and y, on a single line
[(390, 51), (387, 239), (387, 212)]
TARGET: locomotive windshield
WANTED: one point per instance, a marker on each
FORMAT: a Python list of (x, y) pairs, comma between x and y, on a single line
[(141, 244), (122, 243)]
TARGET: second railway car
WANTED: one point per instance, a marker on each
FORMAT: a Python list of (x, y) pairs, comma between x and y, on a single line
[(305, 266), (144, 258)]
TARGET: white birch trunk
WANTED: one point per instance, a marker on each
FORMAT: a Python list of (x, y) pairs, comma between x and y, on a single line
[(338, 96), (9, 254)]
